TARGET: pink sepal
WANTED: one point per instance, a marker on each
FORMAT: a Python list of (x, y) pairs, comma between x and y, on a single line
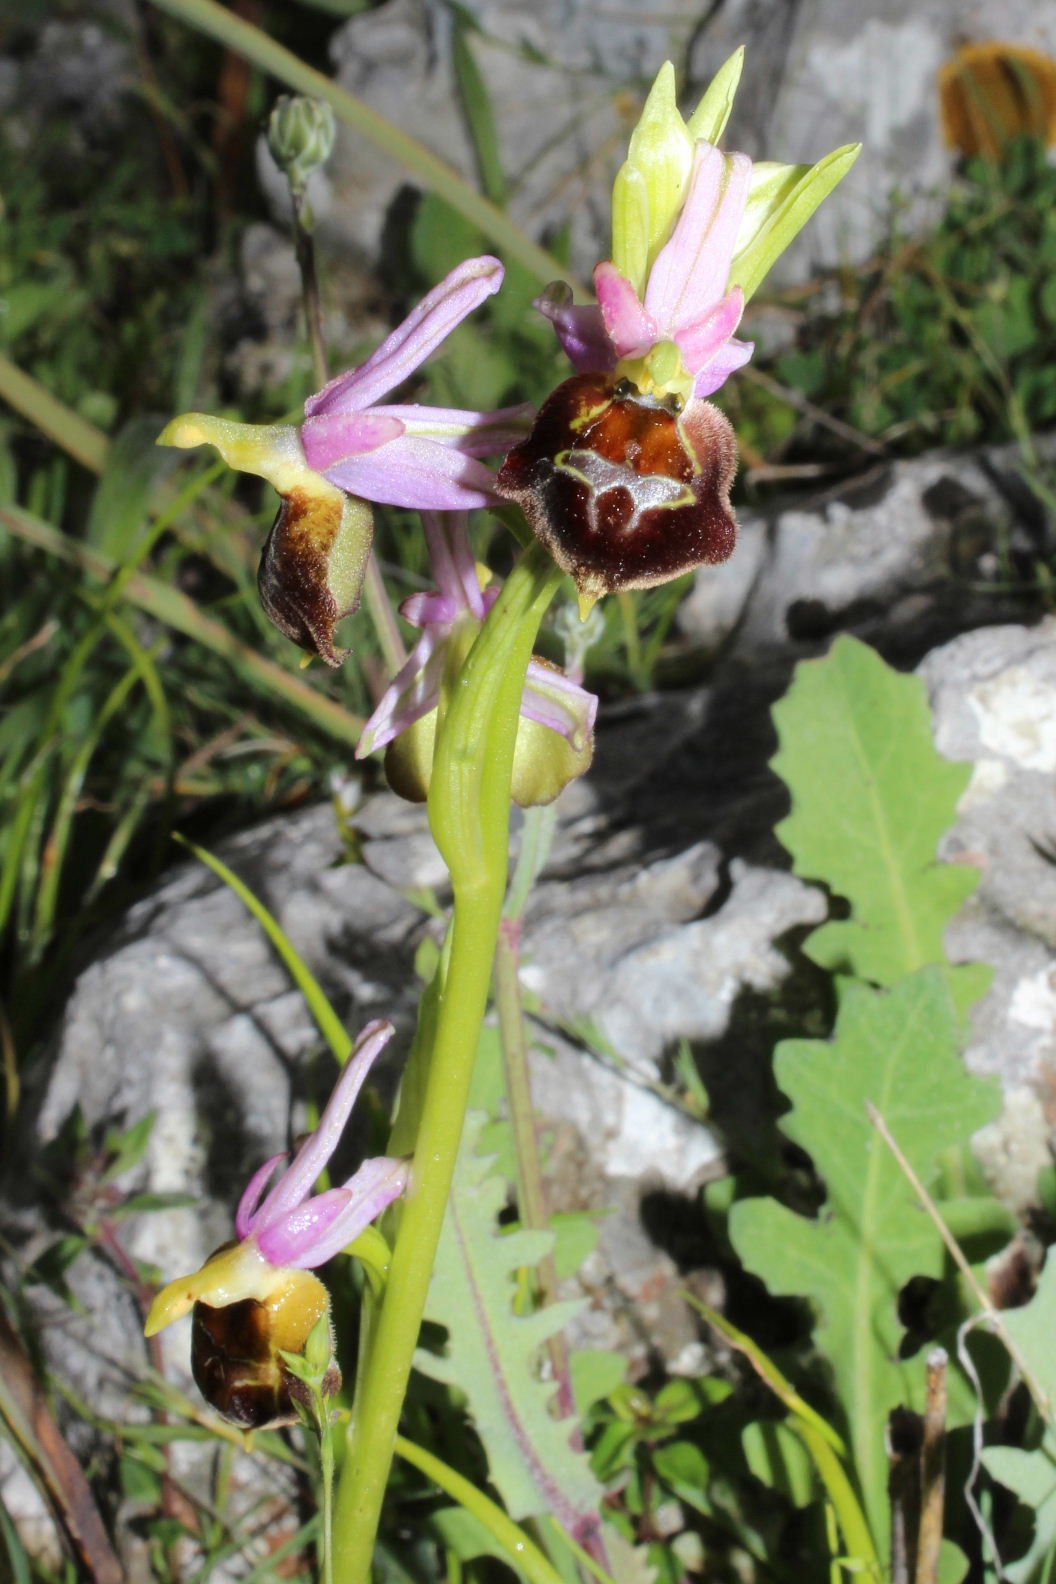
[(425, 327), (581, 330)]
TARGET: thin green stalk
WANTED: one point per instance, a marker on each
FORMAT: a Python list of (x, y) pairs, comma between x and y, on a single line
[(375, 594), (523, 1554), (531, 1196), (178, 611), (326, 1498), (304, 246), (469, 806), (245, 39), (82, 441)]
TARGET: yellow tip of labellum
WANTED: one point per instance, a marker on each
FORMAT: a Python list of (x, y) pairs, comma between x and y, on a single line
[(185, 432)]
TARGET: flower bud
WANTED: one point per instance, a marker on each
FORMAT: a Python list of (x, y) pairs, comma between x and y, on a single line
[(545, 760), (301, 134)]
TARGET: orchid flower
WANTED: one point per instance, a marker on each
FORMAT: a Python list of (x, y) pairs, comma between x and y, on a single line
[(353, 448), (264, 1278), (627, 472), (555, 739), (678, 339)]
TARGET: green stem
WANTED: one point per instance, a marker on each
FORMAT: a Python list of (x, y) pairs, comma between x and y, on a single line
[(469, 807), (82, 441), (249, 41), (326, 1501), (531, 1195), (375, 594), (304, 247), (523, 1554), (383, 617)]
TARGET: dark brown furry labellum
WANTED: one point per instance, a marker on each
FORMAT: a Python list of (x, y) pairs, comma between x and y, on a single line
[(236, 1359), (624, 490)]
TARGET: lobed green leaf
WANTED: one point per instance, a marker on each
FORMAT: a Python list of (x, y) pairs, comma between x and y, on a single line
[(871, 799)]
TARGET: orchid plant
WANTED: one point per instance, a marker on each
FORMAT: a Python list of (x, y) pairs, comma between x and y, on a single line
[(623, 476)]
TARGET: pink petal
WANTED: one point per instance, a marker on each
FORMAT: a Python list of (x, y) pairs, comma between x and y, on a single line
[(553, 700), (414, 691), (250, 1200), (438, 313), (417, 473), (453, 562), (475, 433), (296, 1183), (329, 439), (431, 608), (581, 331), (631, 329), (692, 270), (334, 1219), (701, 340), (729, 358)]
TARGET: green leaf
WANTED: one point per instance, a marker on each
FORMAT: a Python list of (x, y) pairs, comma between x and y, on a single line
[(595, 1373), (778, 1458), (871, 798), (897, 1049), (1031, 1475), (129, 1147), (683, 1467), (119, 512), (326, 1019), (477, 109), (492, 1353)]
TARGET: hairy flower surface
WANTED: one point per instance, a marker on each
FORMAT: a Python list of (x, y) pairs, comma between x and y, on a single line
[(555, 737), (256, 1296), (353, 448), (627, 472)]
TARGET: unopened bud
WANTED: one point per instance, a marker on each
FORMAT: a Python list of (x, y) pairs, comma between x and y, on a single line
[(301, 134)]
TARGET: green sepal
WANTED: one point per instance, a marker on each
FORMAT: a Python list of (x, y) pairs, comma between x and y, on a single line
[(708, 121), (781, 200), (651, 185)]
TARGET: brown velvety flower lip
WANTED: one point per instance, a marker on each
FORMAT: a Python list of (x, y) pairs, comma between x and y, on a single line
[(624, 492), (294, 573)]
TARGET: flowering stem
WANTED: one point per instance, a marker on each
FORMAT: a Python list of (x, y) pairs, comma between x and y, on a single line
[(469, 807)]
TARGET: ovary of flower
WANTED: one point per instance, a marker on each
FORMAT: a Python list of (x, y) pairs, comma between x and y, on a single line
[(289, 1228)]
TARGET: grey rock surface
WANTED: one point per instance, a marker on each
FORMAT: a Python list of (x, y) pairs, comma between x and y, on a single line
[(565, 80), (994, 697), (907, 547)]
